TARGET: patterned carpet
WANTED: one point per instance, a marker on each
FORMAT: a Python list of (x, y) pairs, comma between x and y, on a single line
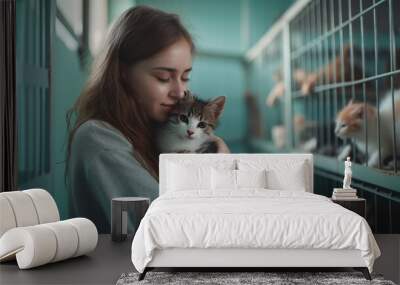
[(230, 278)]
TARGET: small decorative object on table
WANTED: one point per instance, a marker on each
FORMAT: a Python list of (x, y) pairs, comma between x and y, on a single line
[(119, 215), (347, 196), (347, 192)]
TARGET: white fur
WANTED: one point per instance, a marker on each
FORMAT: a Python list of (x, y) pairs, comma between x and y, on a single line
[(172, 138)]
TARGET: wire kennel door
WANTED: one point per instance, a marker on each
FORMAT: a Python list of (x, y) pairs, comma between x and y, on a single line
[(344, 50), (350, 50)]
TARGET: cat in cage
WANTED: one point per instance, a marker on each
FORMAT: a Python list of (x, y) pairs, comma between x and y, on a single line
[(350, 124), (190, 126)]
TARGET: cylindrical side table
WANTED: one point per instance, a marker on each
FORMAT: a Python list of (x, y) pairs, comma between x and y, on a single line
[(119, 215)]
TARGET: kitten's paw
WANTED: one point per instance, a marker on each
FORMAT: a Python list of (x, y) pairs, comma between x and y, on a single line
[(208, 147), (220, 145)]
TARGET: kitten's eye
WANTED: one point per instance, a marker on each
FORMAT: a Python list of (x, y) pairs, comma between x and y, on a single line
[(202, 125), (343, 125), (184, 119)]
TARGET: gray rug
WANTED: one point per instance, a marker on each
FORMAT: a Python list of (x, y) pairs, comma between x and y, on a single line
[(228, 278)]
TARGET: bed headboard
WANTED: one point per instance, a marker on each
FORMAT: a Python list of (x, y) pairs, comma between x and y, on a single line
[(210, 157)]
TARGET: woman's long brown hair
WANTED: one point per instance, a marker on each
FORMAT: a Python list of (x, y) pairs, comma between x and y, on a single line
[(139, 33)]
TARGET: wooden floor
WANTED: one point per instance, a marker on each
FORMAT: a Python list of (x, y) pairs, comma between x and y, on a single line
[(110, 260)]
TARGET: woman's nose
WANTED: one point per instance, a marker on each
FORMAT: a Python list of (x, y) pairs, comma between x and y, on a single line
[(178, 91)]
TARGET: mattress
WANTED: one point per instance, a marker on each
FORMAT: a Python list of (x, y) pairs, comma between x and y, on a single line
[(250, 218)]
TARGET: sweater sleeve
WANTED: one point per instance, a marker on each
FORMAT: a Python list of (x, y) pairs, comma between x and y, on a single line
[(104, 168), (117, 174)]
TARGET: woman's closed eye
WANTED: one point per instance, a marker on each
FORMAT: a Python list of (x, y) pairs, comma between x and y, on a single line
[(163, 79), (162, 76), (166, 76), (186, 76), (168, 79)]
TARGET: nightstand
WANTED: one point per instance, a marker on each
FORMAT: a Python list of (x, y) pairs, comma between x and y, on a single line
[(119, 215), (357, 205)]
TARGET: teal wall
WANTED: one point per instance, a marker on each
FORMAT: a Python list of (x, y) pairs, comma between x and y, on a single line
[(215, 25), (263, 14), (68, 80), (116, 7)]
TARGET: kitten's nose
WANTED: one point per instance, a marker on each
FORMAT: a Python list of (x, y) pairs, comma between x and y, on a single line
[(189, 132)]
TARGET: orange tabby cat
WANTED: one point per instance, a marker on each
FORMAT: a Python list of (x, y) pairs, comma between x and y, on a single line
[(350, 124), (332, 72)]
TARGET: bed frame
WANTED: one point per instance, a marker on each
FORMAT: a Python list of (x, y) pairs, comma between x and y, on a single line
[(246, 258), (242, 259)]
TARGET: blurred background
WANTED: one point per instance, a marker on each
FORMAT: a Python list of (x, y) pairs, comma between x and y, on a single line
[(289, 70)]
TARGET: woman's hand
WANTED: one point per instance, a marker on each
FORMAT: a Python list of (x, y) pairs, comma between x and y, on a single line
[(221, 145)]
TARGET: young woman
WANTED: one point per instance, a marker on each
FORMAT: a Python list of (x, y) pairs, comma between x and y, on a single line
[(142, 72)]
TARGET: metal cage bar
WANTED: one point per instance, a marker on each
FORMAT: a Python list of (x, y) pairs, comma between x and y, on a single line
[(376, 87), (333, 50), (392, 68), (363, 84)]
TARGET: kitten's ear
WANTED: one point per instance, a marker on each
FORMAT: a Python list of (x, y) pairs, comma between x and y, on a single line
[(188, 96), (217, 105), (350, 102), (357, 111), (186, 101)]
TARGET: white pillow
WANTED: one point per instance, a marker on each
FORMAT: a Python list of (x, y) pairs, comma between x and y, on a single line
[(284, 174), (181, 177), (251, 178), (227, 179), (223, 179), (180, 172)]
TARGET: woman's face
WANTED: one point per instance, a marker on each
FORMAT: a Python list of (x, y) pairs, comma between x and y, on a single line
[(160, 81)]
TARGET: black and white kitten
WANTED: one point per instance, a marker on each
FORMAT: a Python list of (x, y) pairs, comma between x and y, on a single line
[(190, 126)]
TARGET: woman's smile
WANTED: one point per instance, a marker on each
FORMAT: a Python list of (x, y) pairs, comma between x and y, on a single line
[(168, 106)]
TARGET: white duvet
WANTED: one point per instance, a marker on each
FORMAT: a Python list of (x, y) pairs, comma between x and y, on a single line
[(251, 218)]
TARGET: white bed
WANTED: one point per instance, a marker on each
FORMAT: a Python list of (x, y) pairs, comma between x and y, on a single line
[(201, 220)]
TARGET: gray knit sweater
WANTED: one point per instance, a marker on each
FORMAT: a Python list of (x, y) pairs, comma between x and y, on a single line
[(102, 167)]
